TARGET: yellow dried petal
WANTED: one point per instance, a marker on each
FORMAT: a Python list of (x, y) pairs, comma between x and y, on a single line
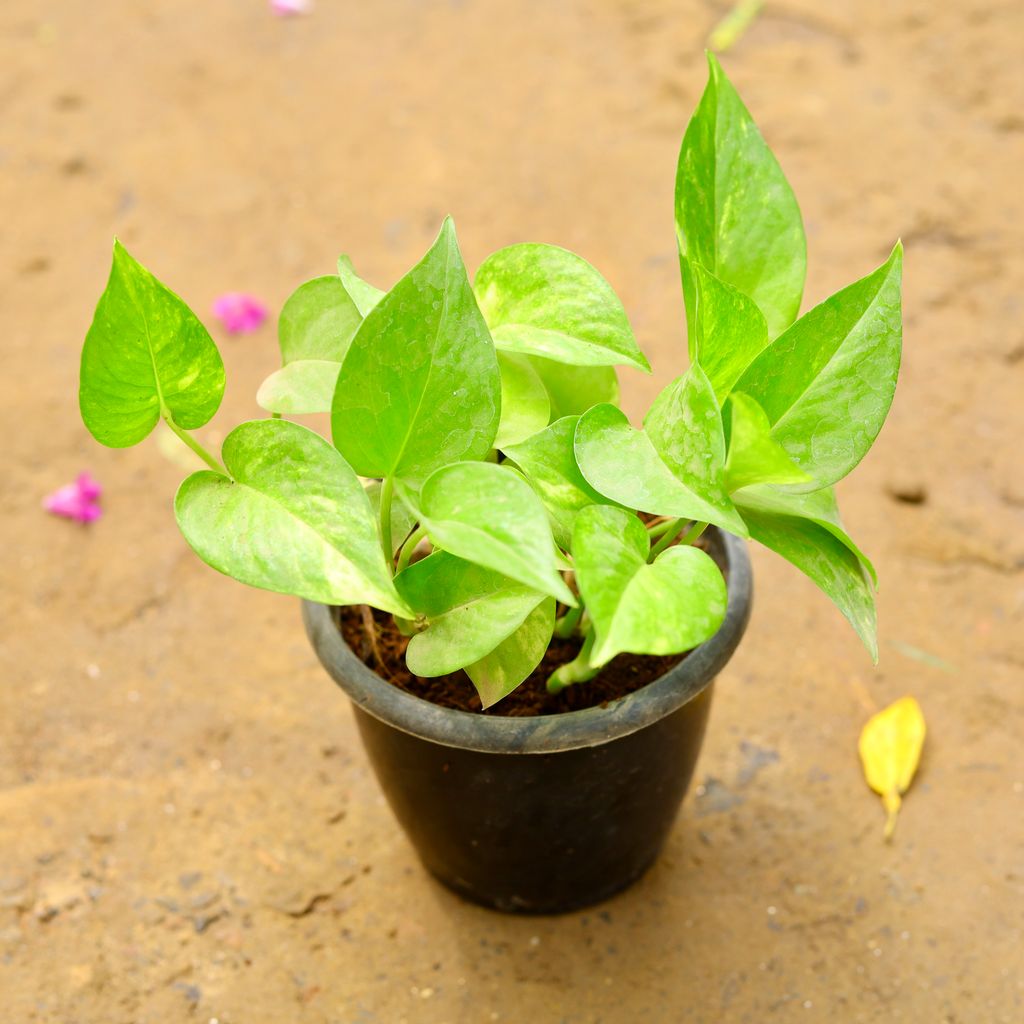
[(890, 751)]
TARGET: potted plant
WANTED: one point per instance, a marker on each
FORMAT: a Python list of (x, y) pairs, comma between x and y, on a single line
[(526, 597)]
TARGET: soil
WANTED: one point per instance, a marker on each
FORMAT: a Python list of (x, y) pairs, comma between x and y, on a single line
[(189, 829), (621, 676)]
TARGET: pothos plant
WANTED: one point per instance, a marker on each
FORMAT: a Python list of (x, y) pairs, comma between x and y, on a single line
[(477, 424)]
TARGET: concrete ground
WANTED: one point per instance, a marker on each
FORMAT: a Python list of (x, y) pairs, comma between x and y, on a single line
[(188, 827)]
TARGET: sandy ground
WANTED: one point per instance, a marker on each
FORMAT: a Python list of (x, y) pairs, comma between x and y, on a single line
[(188, 827)]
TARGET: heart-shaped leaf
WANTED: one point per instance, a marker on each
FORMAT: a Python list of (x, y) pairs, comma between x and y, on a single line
[(735, 212), (754, 457), (666, 607), (525, 407), (729, 331), (489, 515), (675, 464), (572, 390), (420, 386), (146, 354), (825, 559), (826, 384), (547, 301), (305, 386), (469, 610), (817, 506), (890, 750), (548, 460), (317, 321), (315, 330), (362, 293), (497, 674), (292, 518)]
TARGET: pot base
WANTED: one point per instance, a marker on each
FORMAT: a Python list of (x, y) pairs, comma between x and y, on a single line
[(540, 833)]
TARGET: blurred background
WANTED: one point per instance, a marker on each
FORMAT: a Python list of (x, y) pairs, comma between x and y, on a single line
[(188, 827)]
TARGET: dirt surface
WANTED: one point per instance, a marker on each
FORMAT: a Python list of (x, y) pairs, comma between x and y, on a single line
[(188, 827), (385, 654)]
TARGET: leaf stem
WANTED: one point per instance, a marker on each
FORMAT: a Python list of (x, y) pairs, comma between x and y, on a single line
[(409, 547), (694, 532), (579, 670), (566, 625), (387, 490), (669, 536), (192, 443), (673, 529), (657, 528)]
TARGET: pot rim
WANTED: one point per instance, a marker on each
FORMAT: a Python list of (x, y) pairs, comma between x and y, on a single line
[(542, 734)]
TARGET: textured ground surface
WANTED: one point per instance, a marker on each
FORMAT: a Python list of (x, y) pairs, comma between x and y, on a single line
[(188, 829)]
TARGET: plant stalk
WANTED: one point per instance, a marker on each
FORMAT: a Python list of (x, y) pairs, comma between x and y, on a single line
[(579, 670), (669, 536), (658, 528), (409, 547), (192, 443), (566, 625), (387, 491), (693, 533)]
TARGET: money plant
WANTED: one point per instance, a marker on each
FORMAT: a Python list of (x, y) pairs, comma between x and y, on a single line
[(481, 483)]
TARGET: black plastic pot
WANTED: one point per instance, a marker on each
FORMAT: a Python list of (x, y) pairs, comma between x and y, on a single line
[(543, 814)]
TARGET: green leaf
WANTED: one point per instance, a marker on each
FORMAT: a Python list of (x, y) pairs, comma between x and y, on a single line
[(292, 518), (827, 383), (420, 386), (547, 301), (729, 332), (469, 610), (666, 607), (146, 353), (673, 467), (489, 515), (305, 386), (525, 407), (402, 517), (818, 506), (833, 566), (497, 674), (735, 212), (574, 389), (315, 329), (318, 321), (754, 458), (548, 460), (363, 294)]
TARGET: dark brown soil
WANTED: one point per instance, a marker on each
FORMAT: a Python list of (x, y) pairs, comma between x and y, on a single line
[(622, 675)]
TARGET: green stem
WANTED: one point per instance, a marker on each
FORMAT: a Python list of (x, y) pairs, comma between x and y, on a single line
[(669, 536), (387, 490), (566, 625), (579, 670), (693, 533), (409, 547), (185, 436), (657, 529), (675, 527)]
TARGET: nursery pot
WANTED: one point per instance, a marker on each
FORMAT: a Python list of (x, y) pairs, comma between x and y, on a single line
[(542, 814)]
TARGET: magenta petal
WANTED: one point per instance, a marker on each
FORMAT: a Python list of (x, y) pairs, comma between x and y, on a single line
[(77, 501), (88, 486), (286, 7), (239, 312)]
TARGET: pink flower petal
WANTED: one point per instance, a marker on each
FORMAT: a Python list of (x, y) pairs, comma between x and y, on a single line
[(240, 313), (77, 501), (285, 7), (88, 486)]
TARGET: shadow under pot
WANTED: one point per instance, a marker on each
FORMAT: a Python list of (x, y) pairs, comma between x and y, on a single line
[(545, 814)]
